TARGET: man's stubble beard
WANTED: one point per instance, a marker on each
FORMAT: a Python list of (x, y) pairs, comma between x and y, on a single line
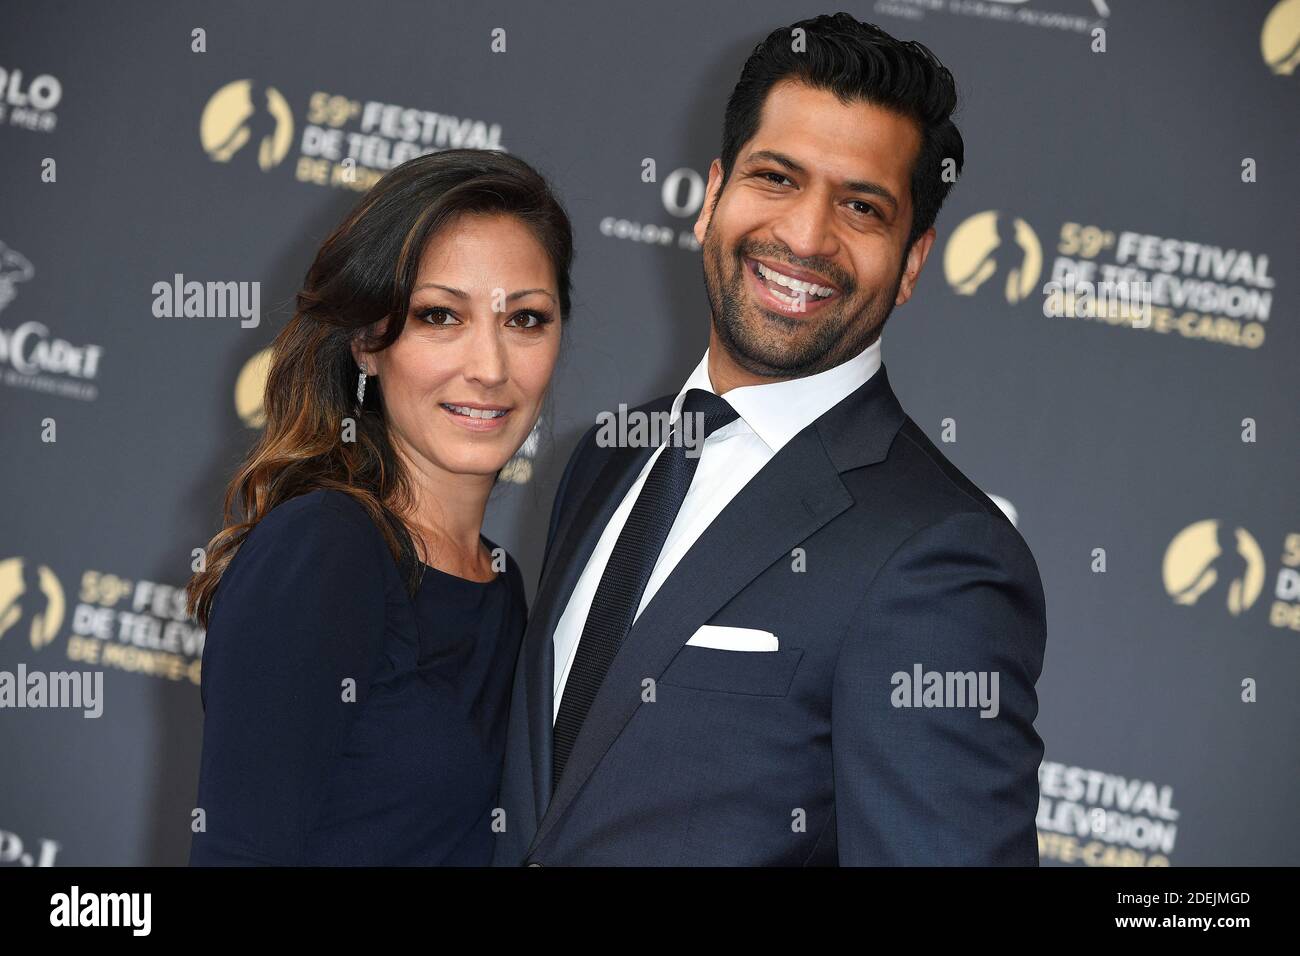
[(838, 337)]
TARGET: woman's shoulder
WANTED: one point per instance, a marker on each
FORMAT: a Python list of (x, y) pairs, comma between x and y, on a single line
[(335, 508), (317, 555), (324, 517), (306, 590), (322, 533)]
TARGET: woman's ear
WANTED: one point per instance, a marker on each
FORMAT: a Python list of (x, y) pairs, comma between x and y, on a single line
[(363, 358)]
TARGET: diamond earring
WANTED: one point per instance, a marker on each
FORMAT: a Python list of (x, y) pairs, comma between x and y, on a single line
[(361, 386)]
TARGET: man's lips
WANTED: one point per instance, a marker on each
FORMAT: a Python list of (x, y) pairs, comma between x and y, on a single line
[(787, 302), (795, 273)]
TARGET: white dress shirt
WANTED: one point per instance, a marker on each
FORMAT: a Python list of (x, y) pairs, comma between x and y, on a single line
[(769, 416)]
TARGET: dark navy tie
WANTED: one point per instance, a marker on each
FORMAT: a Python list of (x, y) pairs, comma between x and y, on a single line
[(618, 595)]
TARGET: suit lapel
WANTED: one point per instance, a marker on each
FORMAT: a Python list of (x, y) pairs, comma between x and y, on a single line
[(572, 549), (731, 552)]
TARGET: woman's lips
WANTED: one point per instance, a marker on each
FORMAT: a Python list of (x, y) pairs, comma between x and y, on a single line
[(471, 423)]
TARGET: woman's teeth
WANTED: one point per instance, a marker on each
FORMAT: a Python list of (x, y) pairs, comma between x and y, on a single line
[(475, 412)]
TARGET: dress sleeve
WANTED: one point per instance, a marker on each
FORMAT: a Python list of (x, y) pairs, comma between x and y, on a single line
[(295, 634)]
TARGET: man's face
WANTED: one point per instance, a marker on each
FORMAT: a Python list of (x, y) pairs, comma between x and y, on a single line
[(821, 195)]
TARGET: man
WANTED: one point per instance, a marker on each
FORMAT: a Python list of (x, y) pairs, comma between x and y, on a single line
[(810, 640)]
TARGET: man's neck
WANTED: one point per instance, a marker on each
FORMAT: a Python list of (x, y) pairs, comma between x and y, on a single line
[(725, 374)]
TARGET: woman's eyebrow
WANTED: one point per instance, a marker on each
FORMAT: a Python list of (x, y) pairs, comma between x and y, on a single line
[(462, 294)]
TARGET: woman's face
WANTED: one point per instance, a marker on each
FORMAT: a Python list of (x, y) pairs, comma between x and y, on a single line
[(463, 383)]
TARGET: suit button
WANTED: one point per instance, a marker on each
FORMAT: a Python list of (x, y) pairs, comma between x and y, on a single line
[(534, 863)]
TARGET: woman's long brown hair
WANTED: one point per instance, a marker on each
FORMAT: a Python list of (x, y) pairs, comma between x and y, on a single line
[(363, 273)]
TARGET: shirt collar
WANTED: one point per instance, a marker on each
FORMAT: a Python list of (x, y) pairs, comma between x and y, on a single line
[(777, 411)]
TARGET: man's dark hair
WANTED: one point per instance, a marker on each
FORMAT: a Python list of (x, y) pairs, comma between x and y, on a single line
[(856, 60)]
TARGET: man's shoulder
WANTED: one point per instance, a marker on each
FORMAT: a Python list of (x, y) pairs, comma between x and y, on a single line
[(661, 404), (931, 482), (590, 438), (918, 493)]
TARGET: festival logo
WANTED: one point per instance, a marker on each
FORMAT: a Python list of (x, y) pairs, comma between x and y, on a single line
[(1279, 39), (993, 255), (342, 142), (31, 602)]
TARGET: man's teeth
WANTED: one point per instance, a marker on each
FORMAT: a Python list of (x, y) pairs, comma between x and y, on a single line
[(475, 412), (798, 285)]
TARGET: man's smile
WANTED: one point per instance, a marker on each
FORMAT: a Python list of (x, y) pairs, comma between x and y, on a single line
[(785, 289)]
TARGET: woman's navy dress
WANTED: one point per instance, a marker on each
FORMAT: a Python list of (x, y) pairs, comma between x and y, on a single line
[(344, 722)]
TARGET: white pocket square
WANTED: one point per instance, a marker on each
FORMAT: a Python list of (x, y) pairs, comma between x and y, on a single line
[(734, 638)]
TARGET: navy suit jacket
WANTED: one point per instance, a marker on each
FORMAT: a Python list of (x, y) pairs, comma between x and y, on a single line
[(694, 755)]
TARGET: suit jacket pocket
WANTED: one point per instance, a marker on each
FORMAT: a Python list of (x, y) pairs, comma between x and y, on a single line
[(759, 673)]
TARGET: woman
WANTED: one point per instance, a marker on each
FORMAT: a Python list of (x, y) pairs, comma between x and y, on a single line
[(361, 632)]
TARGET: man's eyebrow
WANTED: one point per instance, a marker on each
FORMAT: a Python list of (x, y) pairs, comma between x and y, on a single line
[(853, 185), (462, 294)]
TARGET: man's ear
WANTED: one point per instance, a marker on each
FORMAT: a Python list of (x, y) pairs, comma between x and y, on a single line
[(710, 200), (916, 257)]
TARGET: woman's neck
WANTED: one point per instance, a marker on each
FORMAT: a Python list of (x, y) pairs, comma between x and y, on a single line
[(446, 517)]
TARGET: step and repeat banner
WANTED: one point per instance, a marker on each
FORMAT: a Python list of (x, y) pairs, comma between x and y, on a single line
[(148, 150)]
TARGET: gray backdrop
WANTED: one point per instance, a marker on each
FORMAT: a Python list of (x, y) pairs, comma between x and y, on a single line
[(1167, 699)]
